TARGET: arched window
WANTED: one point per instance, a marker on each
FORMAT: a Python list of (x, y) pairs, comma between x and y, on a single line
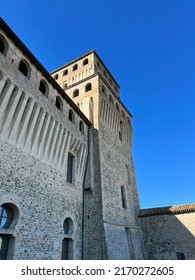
[(59, 103), (88, 87), (68, 226), (71, 116), (8, 218), (3, 45), (85, 61), (67, 242), (81, 127), (123, 114), (43, 87), (56, 76), (75, 67), (75, 93), (24, 68)]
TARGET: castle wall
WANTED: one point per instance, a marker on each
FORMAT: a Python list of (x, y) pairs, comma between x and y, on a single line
[(169, 236), (36, 137)]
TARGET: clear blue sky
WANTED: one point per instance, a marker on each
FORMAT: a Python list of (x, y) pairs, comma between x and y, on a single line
[(149, 47)]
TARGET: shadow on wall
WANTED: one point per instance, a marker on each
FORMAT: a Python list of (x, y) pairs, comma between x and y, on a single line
[(169, 232)]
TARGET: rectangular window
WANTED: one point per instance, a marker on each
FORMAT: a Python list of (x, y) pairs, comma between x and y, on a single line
[(67, 249), (123, 197), (70, 168)]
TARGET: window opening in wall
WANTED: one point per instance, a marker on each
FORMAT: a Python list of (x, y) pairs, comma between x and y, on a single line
[(42, 87), (85, 61), (58, 103), (56, 76), (4, 244), (67, 249), (123, 197), (110, 80), (2, 46), (81, 127), (75, 93), (75, 67), (70, 168), (88, 87), (68, 226), (65, 72), (105, 73), (71, 116), (6, 216), (23, 68)]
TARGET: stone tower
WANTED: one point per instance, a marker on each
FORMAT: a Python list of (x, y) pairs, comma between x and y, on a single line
[(111, 201)]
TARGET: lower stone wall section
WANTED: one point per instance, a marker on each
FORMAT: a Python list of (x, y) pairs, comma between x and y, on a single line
[(169, 236), (44, 200)]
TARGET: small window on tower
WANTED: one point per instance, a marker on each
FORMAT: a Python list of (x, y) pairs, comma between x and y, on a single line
[(75, 67), (56, 76), (75, 93), (85, 61), (65, 72), (88, 87)]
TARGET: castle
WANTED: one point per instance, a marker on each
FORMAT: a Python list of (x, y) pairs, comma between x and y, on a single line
[(67, 181)]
